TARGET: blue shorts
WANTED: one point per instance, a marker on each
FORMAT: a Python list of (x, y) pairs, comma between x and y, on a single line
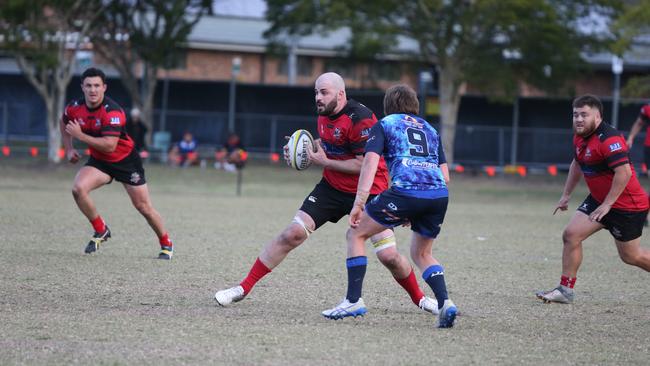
[(425, 215)]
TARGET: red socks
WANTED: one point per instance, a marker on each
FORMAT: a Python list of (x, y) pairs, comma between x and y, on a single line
[(410, 284), (256, 273), (165, 241), (98, 224), (567, 281)]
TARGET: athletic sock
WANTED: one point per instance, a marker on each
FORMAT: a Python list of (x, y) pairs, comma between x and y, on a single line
[(435, 278), (98, 224), (356, 272), (410, 284), (567, 281), (165, 241), (256, 273)]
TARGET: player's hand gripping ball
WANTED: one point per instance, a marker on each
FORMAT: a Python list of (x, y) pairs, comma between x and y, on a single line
[(299, 142)]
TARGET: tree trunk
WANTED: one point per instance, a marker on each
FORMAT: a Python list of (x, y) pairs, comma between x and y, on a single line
[(150, 79), (54, 113), (449, 89)]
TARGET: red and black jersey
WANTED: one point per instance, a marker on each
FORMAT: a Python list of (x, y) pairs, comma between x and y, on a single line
[(645, 117), (106, 120), (598, 155), (344, 137)]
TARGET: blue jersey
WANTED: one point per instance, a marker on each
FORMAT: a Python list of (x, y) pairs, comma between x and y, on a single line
[(413, 153)]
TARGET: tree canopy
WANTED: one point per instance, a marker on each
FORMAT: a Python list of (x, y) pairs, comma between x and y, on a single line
[(494, 45)]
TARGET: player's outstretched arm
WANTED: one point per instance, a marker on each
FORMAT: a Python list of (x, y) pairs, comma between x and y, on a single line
[(367, 176), (572, 180), (622, 175), (636, 128)]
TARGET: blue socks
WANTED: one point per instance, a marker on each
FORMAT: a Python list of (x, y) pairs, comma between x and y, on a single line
[(434, 276), (356, 272)]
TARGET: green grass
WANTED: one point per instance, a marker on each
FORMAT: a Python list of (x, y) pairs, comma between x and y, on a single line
[(499, 244)]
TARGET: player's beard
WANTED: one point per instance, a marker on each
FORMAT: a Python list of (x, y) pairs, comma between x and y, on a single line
[(588, 127), (329, 108)]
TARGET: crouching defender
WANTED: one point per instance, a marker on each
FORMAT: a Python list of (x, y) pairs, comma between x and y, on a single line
[(418, 193)]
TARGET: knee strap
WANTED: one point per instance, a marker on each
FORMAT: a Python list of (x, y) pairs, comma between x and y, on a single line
[(298, 220), (384, 243)]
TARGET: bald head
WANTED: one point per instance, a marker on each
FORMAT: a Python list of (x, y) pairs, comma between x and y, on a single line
[(330, 94), (331, 79)]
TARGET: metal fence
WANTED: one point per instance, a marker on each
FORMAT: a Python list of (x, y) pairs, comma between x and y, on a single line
[(263, 133)]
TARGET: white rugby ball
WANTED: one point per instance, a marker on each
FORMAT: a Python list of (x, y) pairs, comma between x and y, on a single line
[(299, 142)]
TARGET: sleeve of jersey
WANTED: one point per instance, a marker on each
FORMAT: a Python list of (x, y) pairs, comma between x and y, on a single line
[(442, 159), (615, 151), (376, 139), (64, 118), (113, 124), (359, 134)]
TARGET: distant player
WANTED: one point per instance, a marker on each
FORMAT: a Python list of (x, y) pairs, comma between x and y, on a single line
[(343, 126), (643, 120), (616, 200), (99, 122), (418, 194)]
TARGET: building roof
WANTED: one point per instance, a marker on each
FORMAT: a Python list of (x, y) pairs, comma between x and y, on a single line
[(247, 35)]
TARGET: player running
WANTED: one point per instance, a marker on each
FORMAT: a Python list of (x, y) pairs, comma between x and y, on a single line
[(616, 200), (99, 122), (343, 126), (418, 193)]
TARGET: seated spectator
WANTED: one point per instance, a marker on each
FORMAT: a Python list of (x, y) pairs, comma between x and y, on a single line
[(184, 152), (232, 155)]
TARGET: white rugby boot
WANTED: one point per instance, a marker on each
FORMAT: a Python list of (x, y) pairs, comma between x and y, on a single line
[(345, 309), (228, 296), (560, 294), (429, 305)]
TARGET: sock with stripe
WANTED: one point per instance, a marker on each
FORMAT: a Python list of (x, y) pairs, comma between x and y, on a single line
[(356, 272), (410, 284), (567, 281), (256, 273), (435, 278), (98, 224)]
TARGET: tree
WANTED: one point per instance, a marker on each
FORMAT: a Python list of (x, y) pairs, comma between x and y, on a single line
[(633, 22), (141, 37), (44, 37), (494, 45)]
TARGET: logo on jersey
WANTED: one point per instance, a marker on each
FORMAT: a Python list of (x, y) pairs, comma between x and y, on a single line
[(312, 199), (410, 121), (365, 132), (337, 133), (417, 164), (115, 120), (135, 177), (98, 122), (615, 146), (392, 206), (587, 154)]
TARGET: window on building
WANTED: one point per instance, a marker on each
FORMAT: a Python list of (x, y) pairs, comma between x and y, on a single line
[(305, 66), (343, 67), (385, 70)]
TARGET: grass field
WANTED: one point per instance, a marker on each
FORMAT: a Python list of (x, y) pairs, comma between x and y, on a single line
[(499, 244)]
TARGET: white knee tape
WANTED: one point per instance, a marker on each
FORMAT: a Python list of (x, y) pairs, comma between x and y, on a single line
[(384, 243), (299, 221)]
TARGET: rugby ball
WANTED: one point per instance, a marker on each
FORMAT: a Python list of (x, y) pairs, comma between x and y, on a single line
[(299, 142)]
